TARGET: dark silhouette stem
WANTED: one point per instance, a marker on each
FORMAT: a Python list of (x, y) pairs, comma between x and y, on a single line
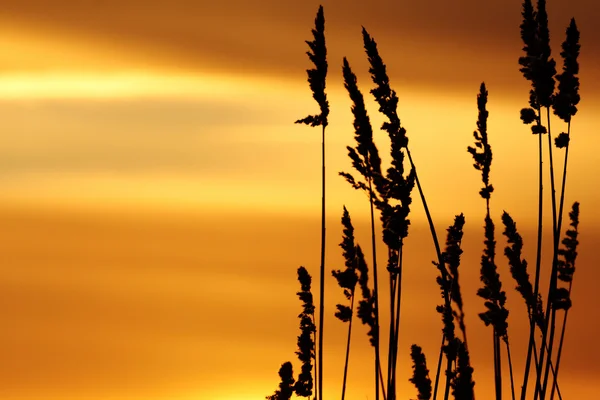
[(550, 311), (497, 365), (436, 242), (382, 385), (448, 371), (560, 213), (348, 346), (559, 353), (322, 275), (538, 262), (375, 292), (393, 287), (438, 252), (398, 285), (510, 368), (439, 368)]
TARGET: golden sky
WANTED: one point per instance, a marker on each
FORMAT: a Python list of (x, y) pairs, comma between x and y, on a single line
[(157, 198)]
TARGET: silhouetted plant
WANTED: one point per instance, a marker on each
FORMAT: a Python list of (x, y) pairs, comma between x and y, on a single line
[(389, 192), (566, 269), (567, 97), (529, 67), (306, 344), (450, 290), (366, 161), (565, 102), (495, 298), (317, 76), (420, 376), (388, 103), (316, 79), (518, 270), (286, 386), (347, 280), (452, 259), (463, 385), (482, 152)]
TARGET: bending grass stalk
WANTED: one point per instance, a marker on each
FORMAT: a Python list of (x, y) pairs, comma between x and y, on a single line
[(439, 368), (348, 347), (550, 311), (387, 100), (398, 286), (375, 291), (535, 359), (536, 288), (438, 252), (448, 370), (510, 367), (392, 335), (497, 365), (559, 352), (560, 214)]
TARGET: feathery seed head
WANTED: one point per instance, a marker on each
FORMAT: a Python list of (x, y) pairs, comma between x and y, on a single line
[(420, 376), (306, 345), (317, 76), (286, 386), (482, 152), (347, 278), (567, 98)]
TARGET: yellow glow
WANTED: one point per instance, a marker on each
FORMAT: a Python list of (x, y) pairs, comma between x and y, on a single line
[(127, 84)]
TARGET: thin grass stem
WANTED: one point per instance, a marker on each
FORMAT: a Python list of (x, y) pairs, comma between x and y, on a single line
[(375, 290), (322, 273), (510, 368), (538, 262), (348, 347), (439, 368)]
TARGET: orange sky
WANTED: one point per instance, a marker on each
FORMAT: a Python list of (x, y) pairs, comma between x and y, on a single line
[(157, 198)]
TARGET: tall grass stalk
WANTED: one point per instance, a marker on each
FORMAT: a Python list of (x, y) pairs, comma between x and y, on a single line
[(496, 314), (566, 269), (388, 102), (316, 79), (565, 106), (538, 68), (347, 280), (365, 160)]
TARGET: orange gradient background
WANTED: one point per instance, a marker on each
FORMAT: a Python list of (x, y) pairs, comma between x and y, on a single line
[(157, 198)]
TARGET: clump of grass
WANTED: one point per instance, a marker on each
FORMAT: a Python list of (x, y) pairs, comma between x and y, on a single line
[(420, 376), (389, 192), (317, 81), (303, 386), (286, 386)]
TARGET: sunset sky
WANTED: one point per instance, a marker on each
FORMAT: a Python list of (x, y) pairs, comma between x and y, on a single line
[(157, 197)]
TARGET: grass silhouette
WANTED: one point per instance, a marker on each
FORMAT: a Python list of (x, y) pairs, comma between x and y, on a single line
[(389, 193)]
